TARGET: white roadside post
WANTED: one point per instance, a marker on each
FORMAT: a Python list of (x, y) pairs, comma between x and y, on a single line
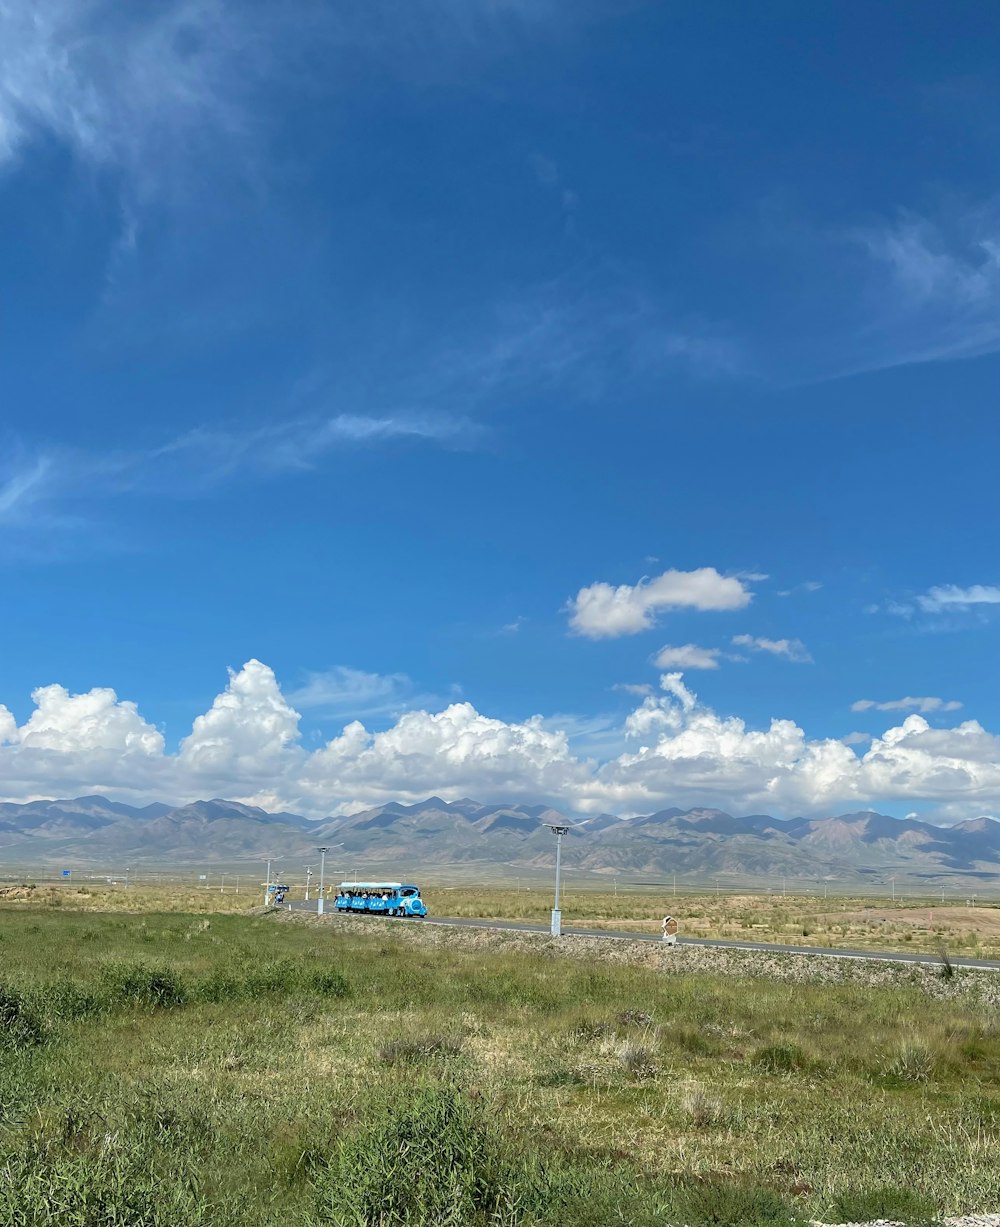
[(669, 930), (322, 871), (558, 832)]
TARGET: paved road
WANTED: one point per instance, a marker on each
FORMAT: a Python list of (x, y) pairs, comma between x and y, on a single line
[(883, 956)]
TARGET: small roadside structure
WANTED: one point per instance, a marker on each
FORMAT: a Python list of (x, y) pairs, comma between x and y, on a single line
[(669, 928)]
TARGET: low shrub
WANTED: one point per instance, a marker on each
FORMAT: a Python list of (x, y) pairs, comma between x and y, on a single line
[(109, 1188), (702, 1108), (560, 1076), (888, 1202), (20, 1025), (638, 1060), (780, 1058), (718, 1203), (419, 1050), (913, 1062), (590, 1029), (138, 985), (430, 1157), (633, 1018), (67, 1001), (327, 983)]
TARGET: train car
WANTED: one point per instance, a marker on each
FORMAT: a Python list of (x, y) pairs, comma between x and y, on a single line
[(381, 899)]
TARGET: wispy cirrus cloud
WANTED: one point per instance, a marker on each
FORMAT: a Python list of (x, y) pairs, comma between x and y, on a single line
[(23, 484), (47, 495), (939, 297), (144, 88), (791, 649), (208, 455), (353, 693), (947, 597), (943, 600), (924, 704)]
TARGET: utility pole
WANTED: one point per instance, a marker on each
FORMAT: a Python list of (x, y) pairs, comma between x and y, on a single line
[(322, 873), (558, 832), (267, 884), (309, 874)]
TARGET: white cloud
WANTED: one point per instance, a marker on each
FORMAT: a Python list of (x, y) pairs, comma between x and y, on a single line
[(926, 703), (810, 585), (790, 649), (949, 597), (48, 497), (354, 692), (856, 739), (144, 88), (207, 456), (94, 721), (603, 611), (687, 656), (247, 747), (22, 486), (249, 733), (639, 689), (941, 296)]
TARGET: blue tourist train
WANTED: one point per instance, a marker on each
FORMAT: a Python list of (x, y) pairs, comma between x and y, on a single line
[(381, 899)]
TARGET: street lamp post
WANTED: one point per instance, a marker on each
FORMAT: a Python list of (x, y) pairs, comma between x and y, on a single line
[(322, 871), (309, 874), (267, 884), (558, 832)]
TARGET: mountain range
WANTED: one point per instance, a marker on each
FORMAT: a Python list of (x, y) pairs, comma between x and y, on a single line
[(455, 836)]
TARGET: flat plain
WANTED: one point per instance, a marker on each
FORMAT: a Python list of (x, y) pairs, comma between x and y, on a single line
[(193, 1066)]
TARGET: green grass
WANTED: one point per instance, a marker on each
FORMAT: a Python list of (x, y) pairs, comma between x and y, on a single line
[(186, 1070)]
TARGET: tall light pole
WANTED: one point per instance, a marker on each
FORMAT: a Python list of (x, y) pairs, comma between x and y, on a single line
[(267, 884), (322, 871), (558, 832)]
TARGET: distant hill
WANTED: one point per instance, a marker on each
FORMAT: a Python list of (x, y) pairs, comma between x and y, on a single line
[(696, 843)]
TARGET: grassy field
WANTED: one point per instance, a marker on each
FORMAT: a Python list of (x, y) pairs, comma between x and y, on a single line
[(853, 921), (191, 1068)]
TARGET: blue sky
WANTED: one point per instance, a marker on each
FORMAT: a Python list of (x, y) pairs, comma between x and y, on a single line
[(470, 368)]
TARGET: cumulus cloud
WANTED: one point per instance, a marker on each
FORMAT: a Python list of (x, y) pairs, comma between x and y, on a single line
[(950, 597), (677, 751), (926, 703), (687, 656), (790, 649), (604, 611)]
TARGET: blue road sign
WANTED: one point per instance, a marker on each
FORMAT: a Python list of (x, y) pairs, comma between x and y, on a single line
[(67, 873)]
